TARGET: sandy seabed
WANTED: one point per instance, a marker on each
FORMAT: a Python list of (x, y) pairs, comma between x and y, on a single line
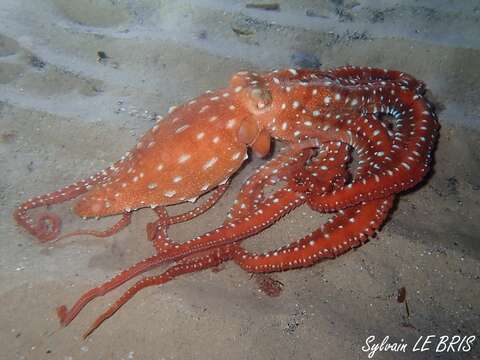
[(68, 110)]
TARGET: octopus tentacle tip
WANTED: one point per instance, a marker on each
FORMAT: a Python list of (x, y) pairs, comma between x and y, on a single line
[(354, 138), (47, 226)]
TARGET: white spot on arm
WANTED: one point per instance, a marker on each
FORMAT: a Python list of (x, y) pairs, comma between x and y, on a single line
[(230, 123), (236, 156), (204, 108), (210, 163), (152, 185), (169, 193), (182, 128), (183, 158)]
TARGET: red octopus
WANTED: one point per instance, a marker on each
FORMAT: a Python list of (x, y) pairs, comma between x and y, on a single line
[(353, 138)]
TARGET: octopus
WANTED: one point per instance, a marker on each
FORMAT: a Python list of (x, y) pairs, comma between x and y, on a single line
[(351, 139)]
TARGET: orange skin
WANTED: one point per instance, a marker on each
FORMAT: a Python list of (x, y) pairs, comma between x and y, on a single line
[(322, 116)]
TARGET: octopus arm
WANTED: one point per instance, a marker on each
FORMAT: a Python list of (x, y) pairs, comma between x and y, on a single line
[(280, 168), (354, 75), (168, 251), (121, 224), (211, 259), (47, 225), (345, 231), (216, 242), (411, 157)]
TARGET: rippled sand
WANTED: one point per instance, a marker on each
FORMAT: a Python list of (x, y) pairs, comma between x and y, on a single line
[(67, 110)]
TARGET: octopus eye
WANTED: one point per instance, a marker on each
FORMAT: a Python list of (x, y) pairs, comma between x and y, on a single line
[(261, 97)]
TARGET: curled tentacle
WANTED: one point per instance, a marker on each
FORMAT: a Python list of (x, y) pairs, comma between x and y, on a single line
[(47, 226), (410, 159)]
